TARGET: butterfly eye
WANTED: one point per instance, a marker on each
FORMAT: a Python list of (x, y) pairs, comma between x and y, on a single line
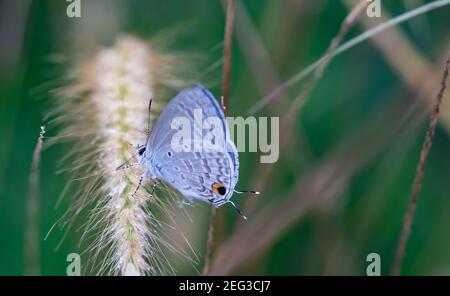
[(219, 188), (141, 151)]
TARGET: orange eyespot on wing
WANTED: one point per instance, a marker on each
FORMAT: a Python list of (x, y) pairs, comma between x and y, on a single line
[(219, 189)]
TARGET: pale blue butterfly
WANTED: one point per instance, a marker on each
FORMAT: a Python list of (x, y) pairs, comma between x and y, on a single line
[(209, 176)]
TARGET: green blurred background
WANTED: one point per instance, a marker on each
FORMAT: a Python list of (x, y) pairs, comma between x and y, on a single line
[(362, 121)]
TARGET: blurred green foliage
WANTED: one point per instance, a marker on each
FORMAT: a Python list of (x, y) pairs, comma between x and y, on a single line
[(359, 89)]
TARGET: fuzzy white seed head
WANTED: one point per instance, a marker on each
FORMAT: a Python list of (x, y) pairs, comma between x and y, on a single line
[(103, 110)]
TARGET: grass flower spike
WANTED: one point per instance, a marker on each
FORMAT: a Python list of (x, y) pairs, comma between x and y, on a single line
[(122, 89), (104, 109)]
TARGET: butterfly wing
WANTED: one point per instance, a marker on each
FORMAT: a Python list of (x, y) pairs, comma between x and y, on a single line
[(197, 173)]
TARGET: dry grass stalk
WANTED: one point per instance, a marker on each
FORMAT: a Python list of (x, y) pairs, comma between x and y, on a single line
[(32, 241), (420, 171), (228, 39)]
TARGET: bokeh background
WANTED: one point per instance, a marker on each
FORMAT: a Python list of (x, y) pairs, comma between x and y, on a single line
[(340, 188)]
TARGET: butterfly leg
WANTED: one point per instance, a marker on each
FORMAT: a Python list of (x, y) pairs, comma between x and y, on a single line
[(155, 183), (125, 166), (185, 202), (138, 186)]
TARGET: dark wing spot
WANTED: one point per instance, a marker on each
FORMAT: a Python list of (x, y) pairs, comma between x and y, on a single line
[(222, 190), (219, 188)]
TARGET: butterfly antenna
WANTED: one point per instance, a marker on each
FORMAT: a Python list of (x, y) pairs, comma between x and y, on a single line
[(124, 165), (247, 191), (237, 210), (222, 103)]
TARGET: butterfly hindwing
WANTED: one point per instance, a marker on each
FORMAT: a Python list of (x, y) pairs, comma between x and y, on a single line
[(195, 176)]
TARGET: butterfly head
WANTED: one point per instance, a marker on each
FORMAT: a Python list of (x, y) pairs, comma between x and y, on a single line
[(140, 151)]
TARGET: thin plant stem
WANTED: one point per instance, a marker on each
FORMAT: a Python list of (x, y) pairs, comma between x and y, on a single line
[(32, 250), (346, 25), (420, 171), (210, 242), (228, 38), (287, 122), (227, 54), (282, 88)]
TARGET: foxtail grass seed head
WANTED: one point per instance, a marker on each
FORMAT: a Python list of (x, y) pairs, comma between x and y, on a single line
[(104, 111), (122, 88)]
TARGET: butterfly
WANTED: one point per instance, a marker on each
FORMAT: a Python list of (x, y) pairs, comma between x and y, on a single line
[(208, 175)]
